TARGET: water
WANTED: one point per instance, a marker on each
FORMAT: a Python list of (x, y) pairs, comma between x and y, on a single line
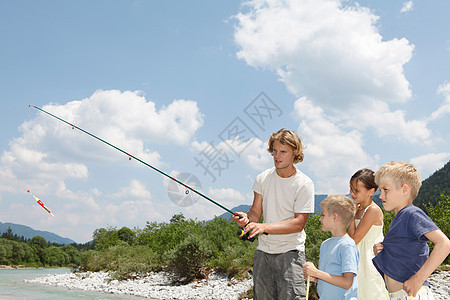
[(12, 286)]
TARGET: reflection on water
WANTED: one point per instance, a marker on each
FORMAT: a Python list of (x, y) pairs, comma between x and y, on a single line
[(12, 286)]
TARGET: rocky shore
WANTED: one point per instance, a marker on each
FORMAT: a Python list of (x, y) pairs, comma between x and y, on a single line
[(159, 286), (154, 285)]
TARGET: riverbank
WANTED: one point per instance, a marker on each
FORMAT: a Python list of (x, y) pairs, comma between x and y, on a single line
[(158, 285)]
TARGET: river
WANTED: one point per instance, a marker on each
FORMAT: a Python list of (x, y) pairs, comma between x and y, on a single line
[(12, 286)]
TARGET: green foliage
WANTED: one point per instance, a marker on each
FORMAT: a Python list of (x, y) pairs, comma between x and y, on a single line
[(103, 238), (14, 253), (55, 256), (189, 258), (187, 247), (127, 235), (37, 252), (123, 260), (314, 238), (440, 214), (387, 220)]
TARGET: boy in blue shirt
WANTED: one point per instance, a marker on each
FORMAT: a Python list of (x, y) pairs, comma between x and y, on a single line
[(339, 257), (402, 258)]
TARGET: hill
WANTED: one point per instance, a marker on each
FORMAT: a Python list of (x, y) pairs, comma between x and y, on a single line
[(433, 186), (28, 233)]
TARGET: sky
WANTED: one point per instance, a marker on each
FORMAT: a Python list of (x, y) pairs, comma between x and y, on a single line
[(195, 88)]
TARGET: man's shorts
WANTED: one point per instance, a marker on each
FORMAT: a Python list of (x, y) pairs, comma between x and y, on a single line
[(423, 294), (279, 276)]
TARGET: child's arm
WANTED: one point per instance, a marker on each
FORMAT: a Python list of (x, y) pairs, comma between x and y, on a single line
[(372, 216), (345, 281), (437, 256)]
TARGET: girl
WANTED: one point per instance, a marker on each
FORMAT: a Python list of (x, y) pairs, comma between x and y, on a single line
[(366, 229)]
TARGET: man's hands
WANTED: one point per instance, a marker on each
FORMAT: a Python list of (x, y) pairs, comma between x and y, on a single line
[(253, 228), (241, 219)]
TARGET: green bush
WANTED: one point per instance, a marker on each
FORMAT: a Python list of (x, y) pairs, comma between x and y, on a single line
[(314, 238), (440, 214), (189, 258)]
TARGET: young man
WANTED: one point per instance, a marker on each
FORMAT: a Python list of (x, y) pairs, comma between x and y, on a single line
[(402, 258), (339, 257), (284, 197)]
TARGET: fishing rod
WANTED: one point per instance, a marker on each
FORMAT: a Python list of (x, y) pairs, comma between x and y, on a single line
[(240, 232)]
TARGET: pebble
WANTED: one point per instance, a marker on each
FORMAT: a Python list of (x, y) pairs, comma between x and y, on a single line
[(158, 285)]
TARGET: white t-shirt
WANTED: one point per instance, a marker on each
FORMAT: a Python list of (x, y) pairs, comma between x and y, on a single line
[(281, 199)]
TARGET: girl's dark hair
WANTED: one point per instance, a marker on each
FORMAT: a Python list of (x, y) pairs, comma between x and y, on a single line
[(367, 177)]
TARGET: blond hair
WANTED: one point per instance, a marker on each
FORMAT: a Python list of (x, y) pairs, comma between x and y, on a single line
[(400, 173), (289, 138), (341, 205)]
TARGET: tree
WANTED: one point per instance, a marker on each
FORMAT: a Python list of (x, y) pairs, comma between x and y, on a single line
[(127, 235), (105, 238), (440, 214), (8, 234), (39, 244)]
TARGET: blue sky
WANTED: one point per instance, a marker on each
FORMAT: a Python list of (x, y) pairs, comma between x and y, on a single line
[(173, 82)]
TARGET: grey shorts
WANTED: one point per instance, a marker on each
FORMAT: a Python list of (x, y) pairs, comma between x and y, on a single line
[(279, 276)]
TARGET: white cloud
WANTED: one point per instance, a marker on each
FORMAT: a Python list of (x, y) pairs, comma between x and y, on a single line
[(47, 147), (253, 152), (444, 91), (228, 197), (333, 152), (407, 7), (49, 154), (257, 156), (387, 123), (226, 193), (331, 53), (429, 163), (136, 189)]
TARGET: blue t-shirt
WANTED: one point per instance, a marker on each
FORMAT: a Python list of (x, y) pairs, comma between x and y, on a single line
[(405, 247), (338, 255)]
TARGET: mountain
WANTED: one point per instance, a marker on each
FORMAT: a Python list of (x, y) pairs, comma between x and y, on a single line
[(28, 233), (433, 186)]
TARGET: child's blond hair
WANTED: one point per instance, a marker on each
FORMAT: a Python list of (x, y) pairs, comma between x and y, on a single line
[(400, 173), (341, 205)]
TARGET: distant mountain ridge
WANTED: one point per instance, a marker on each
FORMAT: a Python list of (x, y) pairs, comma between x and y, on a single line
[(28, 233)]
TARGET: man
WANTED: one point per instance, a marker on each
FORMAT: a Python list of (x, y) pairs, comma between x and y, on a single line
[(284, 197)]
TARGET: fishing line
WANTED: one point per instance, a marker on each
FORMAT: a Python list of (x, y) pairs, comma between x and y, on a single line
[(188, 188)]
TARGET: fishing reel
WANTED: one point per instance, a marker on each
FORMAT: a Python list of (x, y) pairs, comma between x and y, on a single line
[(244, 237)]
